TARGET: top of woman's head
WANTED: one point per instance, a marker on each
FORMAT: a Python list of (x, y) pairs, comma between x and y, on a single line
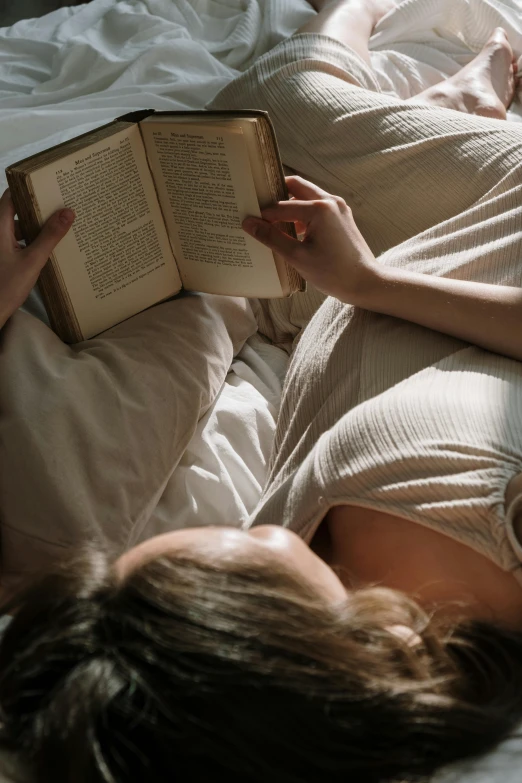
[(192, 670)]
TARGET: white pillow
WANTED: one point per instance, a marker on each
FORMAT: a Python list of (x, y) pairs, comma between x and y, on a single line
[(90, 434)]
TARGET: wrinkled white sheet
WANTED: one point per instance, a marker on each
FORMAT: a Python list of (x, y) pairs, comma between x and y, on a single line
[(78, 68), (221, 475)]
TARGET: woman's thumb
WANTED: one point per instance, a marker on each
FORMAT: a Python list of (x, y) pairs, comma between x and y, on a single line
[(53, 232)]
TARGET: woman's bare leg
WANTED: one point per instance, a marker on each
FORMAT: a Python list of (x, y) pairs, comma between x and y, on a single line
[(349, 21), (485, 87)]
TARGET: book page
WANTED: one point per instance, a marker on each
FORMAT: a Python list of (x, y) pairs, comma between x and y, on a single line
[(116, 260), (206, 188)]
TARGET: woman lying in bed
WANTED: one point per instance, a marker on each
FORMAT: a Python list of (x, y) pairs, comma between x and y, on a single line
[(367, 624)]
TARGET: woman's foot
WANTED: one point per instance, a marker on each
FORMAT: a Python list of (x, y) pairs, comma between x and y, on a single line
[(485, 87)]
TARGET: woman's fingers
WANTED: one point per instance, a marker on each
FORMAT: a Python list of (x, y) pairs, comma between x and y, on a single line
[(318, 216), (302, 189), (333, 255), (290, 211), (271, 236)]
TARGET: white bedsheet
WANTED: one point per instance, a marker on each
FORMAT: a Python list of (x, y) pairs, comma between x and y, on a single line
[(78, 68)]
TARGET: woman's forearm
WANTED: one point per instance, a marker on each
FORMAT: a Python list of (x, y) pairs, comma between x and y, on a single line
[(335, 258), (489, 316)]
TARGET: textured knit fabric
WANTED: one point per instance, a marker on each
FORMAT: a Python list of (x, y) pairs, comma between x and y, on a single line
[(379, 412)]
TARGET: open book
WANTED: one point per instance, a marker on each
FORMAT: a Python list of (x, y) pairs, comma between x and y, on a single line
[(159, 200)]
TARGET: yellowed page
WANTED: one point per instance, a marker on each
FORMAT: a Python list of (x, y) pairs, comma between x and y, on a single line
[(206, 189), (117, 259)]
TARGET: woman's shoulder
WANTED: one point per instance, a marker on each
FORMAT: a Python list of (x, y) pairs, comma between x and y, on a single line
[(372, 546)]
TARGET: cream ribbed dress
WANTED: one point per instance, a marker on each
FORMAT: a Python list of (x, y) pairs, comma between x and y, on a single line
[(379, 412)]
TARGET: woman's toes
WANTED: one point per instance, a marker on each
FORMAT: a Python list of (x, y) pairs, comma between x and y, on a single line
[(498, 36), (499, 42)]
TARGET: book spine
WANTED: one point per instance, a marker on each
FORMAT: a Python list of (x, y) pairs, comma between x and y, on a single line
[(269, 142)]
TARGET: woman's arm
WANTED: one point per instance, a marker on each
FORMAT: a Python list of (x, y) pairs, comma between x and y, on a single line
[(334, 256), (489, 316), (20, 267)]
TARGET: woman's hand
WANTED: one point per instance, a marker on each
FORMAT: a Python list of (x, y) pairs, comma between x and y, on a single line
[(335, 258), (332, 255), (20, 267)]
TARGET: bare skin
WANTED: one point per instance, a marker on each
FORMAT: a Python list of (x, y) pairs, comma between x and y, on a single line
[(485, 87), (370, 546)]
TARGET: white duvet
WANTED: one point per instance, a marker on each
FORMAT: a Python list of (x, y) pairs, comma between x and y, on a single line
[(78, 68)]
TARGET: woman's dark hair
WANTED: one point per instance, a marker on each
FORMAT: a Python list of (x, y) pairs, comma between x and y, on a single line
[(186, 671)]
